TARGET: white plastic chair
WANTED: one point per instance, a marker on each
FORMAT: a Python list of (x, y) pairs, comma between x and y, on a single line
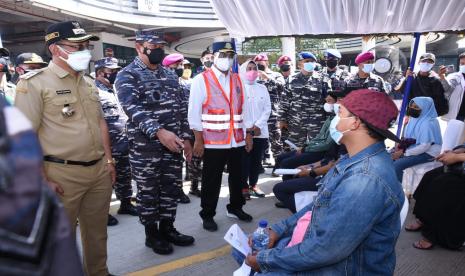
[(413, 175), (404, 212)]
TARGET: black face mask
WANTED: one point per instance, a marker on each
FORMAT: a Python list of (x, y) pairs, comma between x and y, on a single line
[(155, 56), (261, 67), (332, 63), (111, 77), (208, 63), (414, 113), (285, 68), (179, 71)]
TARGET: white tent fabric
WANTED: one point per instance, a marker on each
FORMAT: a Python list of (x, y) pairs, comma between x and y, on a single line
[(248, 18)]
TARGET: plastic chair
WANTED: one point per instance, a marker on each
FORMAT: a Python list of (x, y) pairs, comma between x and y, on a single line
[(404, 212)]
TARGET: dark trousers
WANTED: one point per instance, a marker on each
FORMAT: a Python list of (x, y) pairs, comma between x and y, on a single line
[(292, 160), (123, 186), (285, 190), (214, 161), (251, 164)]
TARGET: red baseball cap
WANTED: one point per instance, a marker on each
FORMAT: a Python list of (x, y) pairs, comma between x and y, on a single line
[(375, 109)]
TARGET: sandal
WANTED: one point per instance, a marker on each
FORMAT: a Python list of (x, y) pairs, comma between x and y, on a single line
[(414, 227), (421, 244)]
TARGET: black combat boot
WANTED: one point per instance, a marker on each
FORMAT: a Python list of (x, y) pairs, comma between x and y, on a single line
[(169, 233), (126, 208), (154, 240), (195, 188)]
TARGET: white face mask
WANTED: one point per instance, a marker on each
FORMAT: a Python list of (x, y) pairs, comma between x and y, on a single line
[(425, 66), (224, 64), (78, 61), (462, 69), (368, 68), (328, 107)]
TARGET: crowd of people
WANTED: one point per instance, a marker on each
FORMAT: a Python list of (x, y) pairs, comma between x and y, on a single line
[(143, 123)]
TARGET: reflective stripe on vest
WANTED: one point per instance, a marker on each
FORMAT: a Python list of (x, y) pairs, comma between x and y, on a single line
[(222, 117)]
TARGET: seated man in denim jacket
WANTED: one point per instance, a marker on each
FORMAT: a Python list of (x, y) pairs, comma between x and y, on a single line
[(354, 221)]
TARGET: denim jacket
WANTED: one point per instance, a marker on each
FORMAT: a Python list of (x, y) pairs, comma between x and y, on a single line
[(355, 222)]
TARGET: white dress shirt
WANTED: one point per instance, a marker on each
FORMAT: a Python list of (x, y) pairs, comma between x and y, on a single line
[(198, 96), (258, 106)]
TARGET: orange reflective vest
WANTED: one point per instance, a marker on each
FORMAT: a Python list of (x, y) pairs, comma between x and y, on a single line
[(222, 117)]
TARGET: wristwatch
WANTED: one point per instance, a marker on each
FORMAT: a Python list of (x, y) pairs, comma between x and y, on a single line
[(111, 161), (312, 172), (251, 132)]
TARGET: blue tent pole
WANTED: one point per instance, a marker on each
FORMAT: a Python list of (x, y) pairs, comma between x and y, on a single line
[(408, 85), (235, 67)]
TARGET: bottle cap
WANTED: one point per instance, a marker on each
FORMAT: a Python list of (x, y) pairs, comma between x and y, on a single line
[(263, 223)]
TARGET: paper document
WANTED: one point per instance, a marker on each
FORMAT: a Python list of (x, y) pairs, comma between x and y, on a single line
[(244, 270), (292, 145), (237, 239), (287, 171)]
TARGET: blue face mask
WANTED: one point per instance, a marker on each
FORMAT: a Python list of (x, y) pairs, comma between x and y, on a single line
[(336, 108), (336, 135), (309, 66), (368, 68)]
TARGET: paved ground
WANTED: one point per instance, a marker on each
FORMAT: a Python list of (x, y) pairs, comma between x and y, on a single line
[(210, 254)]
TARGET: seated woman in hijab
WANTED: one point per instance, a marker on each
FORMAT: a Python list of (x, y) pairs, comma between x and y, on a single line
[(258, 105), (422, 140), (440, 203)]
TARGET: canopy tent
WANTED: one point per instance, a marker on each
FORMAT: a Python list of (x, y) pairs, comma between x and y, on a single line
[(255, 18), (250, 18)]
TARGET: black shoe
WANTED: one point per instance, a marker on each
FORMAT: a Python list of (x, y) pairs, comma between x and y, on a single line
[(183, 198), (209, 224), (279, 204), (112, 221), (195, 192), (156, 242), (238, 214), (256, 192), (126, 208), (169, 233)]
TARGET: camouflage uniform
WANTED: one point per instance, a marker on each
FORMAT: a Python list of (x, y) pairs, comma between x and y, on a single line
[(373, 82), (153, 99), (116, 121), (275, 89), (302, 109), (336, 79)]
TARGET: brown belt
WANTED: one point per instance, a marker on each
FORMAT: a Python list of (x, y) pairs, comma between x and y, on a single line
[(49, 158)]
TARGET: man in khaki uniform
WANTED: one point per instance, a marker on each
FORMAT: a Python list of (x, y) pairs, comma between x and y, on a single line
[(64, 108)]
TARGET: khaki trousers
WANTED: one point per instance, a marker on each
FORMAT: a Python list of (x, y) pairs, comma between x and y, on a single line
[(87, 195)]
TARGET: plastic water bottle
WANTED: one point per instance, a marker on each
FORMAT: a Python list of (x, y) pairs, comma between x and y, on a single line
[(261, 237)]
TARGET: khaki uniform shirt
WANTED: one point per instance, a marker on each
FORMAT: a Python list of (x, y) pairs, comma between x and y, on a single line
[(41, 95)]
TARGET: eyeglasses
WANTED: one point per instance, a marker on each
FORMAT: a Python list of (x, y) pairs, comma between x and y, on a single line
[(226, 55), (79, 47)]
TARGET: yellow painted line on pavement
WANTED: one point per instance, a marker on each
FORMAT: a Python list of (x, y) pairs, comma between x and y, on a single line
[(184, 262)]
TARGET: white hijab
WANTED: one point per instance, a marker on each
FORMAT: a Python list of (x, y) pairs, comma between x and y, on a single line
[(243, 71)]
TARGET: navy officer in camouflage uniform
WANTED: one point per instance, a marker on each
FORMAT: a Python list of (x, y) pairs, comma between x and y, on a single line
[(157, 132), (302, 112), (365, 78), (105, 73), (331, 72)]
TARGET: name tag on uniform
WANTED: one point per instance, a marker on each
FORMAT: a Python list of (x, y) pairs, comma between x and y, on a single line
[(63, 92)]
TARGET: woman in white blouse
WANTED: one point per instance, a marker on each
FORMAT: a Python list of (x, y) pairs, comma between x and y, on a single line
[(258, 105)]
